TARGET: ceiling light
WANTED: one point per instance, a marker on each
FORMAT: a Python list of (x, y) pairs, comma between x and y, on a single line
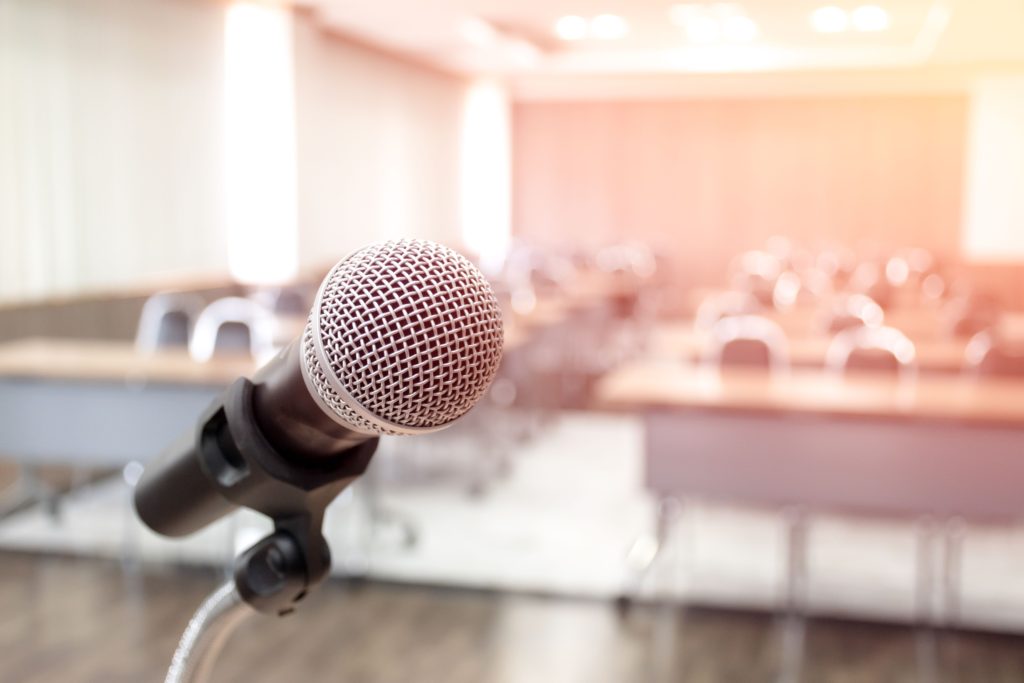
[(703, 29), (476, 31), (739, 29), (681, 14), (829, 20), (608, 27), (870, 18), (725, 9), (571, 27), (523, 52)]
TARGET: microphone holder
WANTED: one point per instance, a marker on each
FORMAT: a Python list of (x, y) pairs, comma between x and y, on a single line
[(277, 572)]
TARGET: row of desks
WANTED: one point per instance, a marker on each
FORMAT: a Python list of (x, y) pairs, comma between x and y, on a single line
[(681, 341), (102, 402), (937, 445)]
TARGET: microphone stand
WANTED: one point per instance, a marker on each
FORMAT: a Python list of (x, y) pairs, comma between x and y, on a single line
[(207, 632), (277, 572)]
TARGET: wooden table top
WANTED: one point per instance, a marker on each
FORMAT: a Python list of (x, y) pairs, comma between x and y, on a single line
[(646, 385), (115, 361), (119, 361), (680, 341)]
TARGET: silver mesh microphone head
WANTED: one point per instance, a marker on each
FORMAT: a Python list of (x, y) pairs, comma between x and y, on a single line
[(404, 337)]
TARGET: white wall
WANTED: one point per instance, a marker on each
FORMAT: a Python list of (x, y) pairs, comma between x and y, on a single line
[(994, 197), (110, 142), (378, 147), (112, 146)]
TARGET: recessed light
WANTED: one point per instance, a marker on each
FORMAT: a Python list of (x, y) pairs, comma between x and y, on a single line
[(829, 19), (703, 29), (870, 18), (571, 27), (608, 27), (739, 29), (476, 31), (682, 13), (523, 52)]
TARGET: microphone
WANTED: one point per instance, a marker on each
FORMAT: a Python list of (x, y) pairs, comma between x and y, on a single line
[(404, 337)]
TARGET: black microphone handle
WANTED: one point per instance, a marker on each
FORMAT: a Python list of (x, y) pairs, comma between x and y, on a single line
[(230, 459), (175, 497)]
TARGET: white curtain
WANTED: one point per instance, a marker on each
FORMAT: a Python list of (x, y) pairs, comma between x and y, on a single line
[(110, 142)]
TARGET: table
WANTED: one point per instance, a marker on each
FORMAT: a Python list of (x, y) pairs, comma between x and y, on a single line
[(940, 445), (681, 341), (100, 403)]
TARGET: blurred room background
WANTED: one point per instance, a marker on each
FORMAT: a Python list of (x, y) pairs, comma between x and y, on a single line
[(762, 272)]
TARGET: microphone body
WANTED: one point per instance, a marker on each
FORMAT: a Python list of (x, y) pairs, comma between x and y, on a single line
[(204, 474), (404, 338)]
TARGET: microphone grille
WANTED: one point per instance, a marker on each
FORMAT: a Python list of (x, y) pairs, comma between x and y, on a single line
[(405, 337)]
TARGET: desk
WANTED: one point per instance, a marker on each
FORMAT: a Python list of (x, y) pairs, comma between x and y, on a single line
[(943, 445), (100, 403), (680, 341)]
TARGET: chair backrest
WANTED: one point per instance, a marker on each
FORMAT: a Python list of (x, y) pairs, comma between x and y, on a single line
[(986, 356), (748, 340), (233, 324), (290, 300), (967, 316), (166, 321), (854, 311), (884, 349), (726, 304)]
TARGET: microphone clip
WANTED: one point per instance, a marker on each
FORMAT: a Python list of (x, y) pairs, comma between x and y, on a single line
[(277, 572)]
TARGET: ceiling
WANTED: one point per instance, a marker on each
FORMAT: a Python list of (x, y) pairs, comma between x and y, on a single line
[(517, 37)]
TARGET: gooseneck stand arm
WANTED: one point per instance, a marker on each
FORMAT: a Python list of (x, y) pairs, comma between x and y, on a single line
[(238, 466), (207, 631)]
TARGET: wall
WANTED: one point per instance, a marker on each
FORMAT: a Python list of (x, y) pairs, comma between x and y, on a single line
[(707, 178), (110, 131), (377, 146)]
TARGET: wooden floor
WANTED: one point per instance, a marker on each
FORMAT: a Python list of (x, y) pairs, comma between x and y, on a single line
[(74, 620)]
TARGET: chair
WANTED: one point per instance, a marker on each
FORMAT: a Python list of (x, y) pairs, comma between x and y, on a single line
[(748, 340), (293, 300), (167, 320), (988, 356), (715, 307), (755, 272), (233, 324), (870, 279), (875, 349), (853, 311), (967, 316)]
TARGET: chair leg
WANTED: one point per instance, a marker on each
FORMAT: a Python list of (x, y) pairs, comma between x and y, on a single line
[(952, 565), (26, 491), (924, 578), (793, 628), (647, 548), (926, 637)]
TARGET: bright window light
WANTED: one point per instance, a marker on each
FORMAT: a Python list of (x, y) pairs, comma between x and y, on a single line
[(703, 29), (829, 19), (739, 29), (485, 172), (681, 14), (572, 27), (608, 27), (477, 32), (870, 18), (259, 144)]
